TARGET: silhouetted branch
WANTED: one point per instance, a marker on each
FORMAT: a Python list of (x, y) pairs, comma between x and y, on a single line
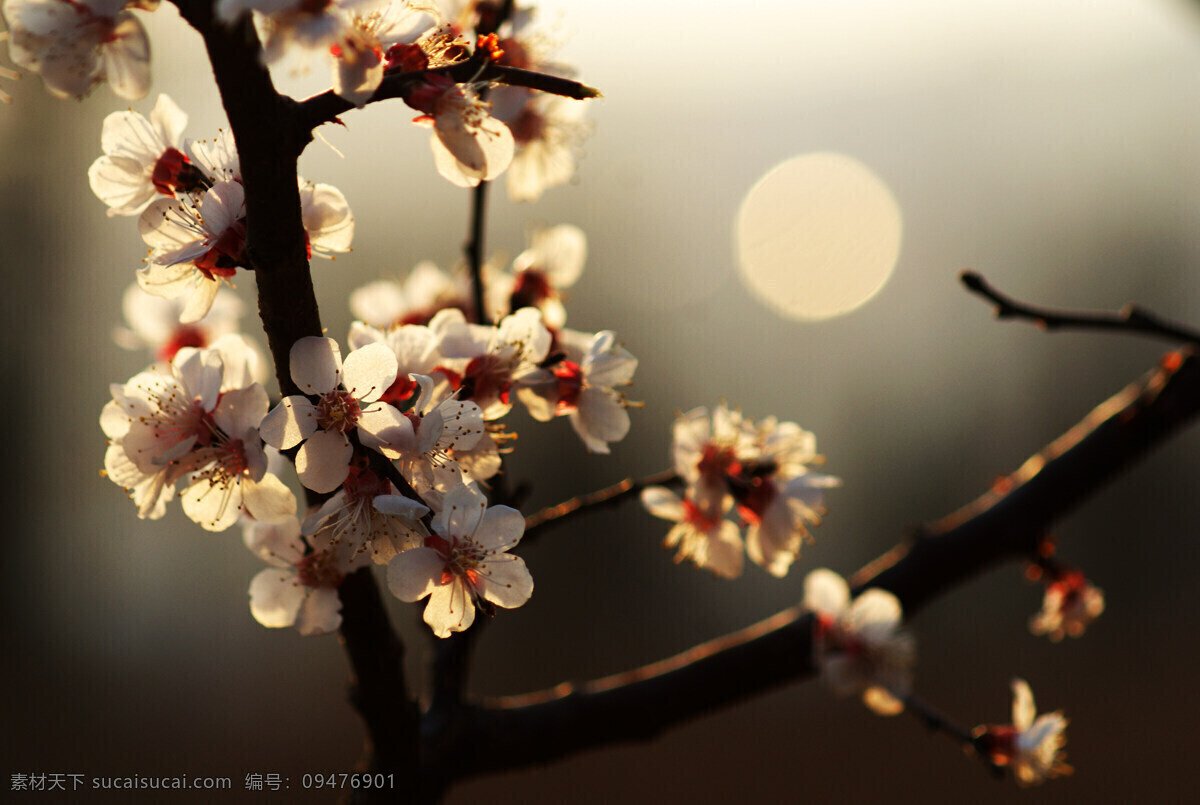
[(609, 495), (325, 108), (1130, 319)]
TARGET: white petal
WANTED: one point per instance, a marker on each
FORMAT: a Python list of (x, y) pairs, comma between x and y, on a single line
[(825, 592), (462, 509), (368, 372), (450, 609), (323, 461), (385, 429), (268, 500), (662, 502), (1023, 709), (500, 529), (505, 581), (316, 364), (289, 423), (414, 574), (275, 597), (321, 612)]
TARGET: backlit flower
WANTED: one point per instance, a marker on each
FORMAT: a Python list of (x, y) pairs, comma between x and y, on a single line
[(76, 45), (347, 400), (465, 563), (859, 646), (1031, 746)]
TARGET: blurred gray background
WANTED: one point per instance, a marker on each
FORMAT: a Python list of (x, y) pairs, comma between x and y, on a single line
[(1052, 147)]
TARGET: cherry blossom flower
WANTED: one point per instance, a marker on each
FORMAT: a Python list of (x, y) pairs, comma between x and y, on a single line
[(469, 145), (154, 324), (1031, 746), (465, 564), (1069, 606), (194, 246), (497, 356), (443, 427), (300, 589), (76, 45), (367, 517), (347, 400), (229, 475), (426, 290), (859, 646), (581, 386), (194, 423), (706, 538), (762, 469), (143, 158), (553, 261), (159, 415), (359, 58), (548, 131)]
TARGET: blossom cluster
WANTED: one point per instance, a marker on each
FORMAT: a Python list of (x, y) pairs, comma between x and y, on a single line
[(400, 435), (191, 205), (758, 473), (80, 44)]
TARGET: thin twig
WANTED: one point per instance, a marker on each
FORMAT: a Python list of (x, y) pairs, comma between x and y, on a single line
[(936, 721), (474, 248), (325, 108), (1130, 319), (609, 495)]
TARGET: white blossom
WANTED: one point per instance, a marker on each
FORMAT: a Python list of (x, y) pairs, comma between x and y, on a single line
[(859, 646), (465, 564)]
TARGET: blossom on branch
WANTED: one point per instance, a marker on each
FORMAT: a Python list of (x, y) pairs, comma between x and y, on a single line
[(496, 357), (582, 386), (194, 424), (465, 564), (144, 158), (153, 324), (195, 246), (367, 517), (385, 304), (859, 646), (300, 588), (1069, 606), (1031, 746), (708, 539), (469, 145), (347, 400), (553, 261), (759, 472), (78, 44)]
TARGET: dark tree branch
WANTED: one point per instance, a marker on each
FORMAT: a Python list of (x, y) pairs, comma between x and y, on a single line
[(1006, 522), (1130, 319), (609, 495), (325, 108), (474, 249)]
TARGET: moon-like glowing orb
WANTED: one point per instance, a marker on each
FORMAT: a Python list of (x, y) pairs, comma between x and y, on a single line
[(817, 236)]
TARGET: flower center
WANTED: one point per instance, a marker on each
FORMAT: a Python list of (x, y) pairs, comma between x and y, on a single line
[(175, 172), (338, 411), (570, 384), (319, 570), (530, 289), (184, 336)]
